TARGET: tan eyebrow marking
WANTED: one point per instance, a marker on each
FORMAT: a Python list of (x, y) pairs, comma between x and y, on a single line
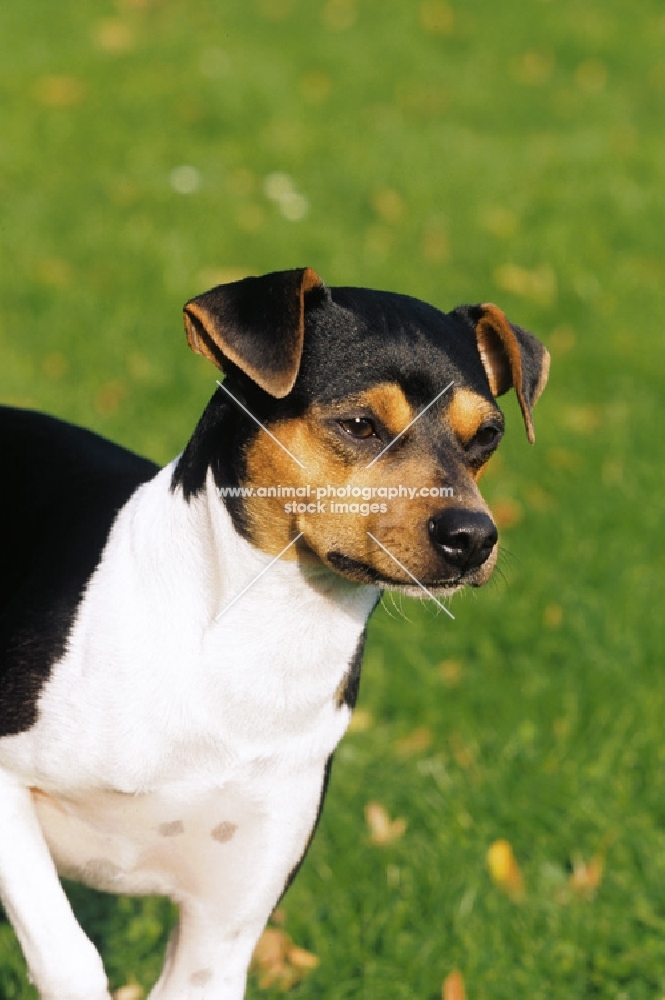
[(466, 413), (389, 403)]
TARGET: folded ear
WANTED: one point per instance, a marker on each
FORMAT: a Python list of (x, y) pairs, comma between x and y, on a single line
[(512, 358), (258, 324)]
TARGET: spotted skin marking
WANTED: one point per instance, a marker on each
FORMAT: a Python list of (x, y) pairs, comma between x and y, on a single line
[(201, 977), (172, 829), (100, 871), (223, 832)]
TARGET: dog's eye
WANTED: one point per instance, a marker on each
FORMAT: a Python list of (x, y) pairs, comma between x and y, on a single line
[(358, 427), (486, 436)]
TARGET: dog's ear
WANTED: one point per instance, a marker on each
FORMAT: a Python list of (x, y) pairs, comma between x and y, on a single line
[(511, 356), (258, 324)]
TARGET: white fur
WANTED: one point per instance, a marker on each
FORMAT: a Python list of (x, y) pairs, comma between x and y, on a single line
[(176, 752)]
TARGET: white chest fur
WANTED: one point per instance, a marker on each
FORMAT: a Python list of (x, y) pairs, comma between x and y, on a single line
[(164, 723)]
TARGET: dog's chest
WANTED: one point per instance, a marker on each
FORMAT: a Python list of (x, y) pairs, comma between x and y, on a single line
[(154, 843)]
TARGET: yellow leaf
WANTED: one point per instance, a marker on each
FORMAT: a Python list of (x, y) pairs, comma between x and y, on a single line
[(114, 36), (450, 672), (302, 959), (503, 868), (500, 222), (130, 992), (361, 721), (507, 513), (278, 962), (388, 204), (587, 876), (59, 91), (553, 615), (437, 17), (582, 419), (339, 15), (416, 742), (382, 829), (453, 987), (533, 68), (538, 284)]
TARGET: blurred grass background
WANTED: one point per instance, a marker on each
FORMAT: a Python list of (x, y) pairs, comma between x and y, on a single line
[(468, 151)]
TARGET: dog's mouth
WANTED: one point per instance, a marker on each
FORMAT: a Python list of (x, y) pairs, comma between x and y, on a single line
[(362, 572)]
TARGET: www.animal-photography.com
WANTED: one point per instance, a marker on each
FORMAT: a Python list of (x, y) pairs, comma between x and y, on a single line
[(331, 500)]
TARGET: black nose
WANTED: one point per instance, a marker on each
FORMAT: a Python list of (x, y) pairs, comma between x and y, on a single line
[(464, 537)]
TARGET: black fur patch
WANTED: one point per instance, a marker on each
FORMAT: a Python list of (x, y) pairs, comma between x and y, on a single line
[(349, 693), (62, 488)]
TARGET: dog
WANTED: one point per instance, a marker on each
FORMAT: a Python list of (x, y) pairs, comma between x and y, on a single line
[(180, 648)]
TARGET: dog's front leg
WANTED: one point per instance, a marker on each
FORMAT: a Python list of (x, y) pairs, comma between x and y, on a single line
[(62, 962), (236, 878)]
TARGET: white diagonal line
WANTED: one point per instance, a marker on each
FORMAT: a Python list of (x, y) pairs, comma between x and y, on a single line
[(269, 433), (258, 577), (417, 417), (415, 580)]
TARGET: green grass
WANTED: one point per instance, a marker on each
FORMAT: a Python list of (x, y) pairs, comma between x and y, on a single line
[(515, 154)]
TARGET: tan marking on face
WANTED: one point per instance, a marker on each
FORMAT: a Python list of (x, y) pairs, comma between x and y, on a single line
[(402, 524), (268, 465), (466, 413), (172, 829), (390, 405), (223, 832)]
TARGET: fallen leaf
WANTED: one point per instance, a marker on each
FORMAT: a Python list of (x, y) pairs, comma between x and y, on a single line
[(302, 959), (587, 876), (538, 499), (533, 68), (109, 397), (500, 222), (361, 721), (437, 17), (538, 283), (464, 755), (582, 419), (280, 963), (130, 992), (416, 742), (388, 204), (553, 615), (504, 870), (339, 15), (563, 459), (59, 91), (315, 86), (382, 829), (114, 36), (507, 513), (55, 365), (453, 987), (450, 672), (54, 271), (435, 244)]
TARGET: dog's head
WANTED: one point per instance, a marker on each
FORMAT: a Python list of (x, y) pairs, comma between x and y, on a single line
[(360, 419)]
